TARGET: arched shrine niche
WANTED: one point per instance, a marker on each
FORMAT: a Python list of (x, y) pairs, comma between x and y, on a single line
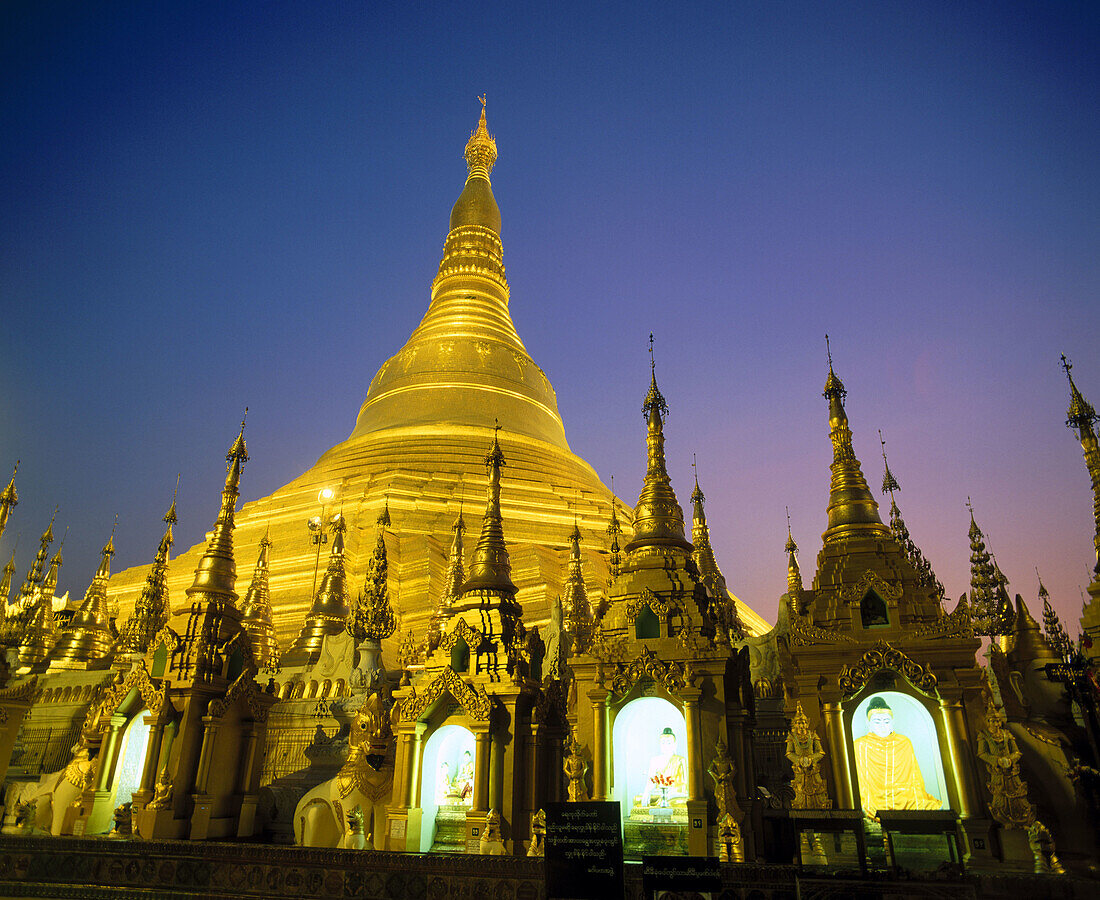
[(446, 788), (131, 758), (650, 775), (896, 752)]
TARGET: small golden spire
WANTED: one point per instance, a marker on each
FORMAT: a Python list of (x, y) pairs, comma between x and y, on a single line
[(5, 582), (1029, 643), (658, 519), (481, 149), (86, 638), (1056, 634), (329, 613), (700, 532), (1081, 419), (9, 499), (614, 530), (984, 586), (852, 509), (491, 568), (39, 635), (150, 613), (452, 585), (256, 615), (579, 619), (49, 583), (794, 576), (925, 576), (34, 576), (372, 617)]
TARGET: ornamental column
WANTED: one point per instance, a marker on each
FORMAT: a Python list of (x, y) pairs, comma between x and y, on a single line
[(482, 750), (691, 697), (954, 729), (838, 755), (600, 743)]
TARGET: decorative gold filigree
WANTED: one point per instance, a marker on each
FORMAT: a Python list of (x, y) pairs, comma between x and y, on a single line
[(462, 629), (955, 624), (883, 656), (475, 701), (648, 666), (99, 716), (244, 686), (870, 581), (657, 606), (804, 633)]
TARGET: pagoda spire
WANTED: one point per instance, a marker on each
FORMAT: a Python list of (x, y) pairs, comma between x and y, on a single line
[(794, 575), (9, 499), (614, 531), (452, 587), (150, 613), (372, 618), (256, 615), (34, 576), (5, 582), (722, 609), (211, 610), (39, 635), (86, 638), (925, 576), (491, 568), (1029, 643), (1055, 633), (658, 519), (578, 615), (329, 612), (49, 583), (852, 509), (1081, 420), (990, 606)]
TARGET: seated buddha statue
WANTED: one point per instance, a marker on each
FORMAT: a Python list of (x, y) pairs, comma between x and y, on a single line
[(889, 774), (667, 772)]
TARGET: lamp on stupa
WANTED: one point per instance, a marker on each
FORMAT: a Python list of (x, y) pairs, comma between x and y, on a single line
[(317, 534)]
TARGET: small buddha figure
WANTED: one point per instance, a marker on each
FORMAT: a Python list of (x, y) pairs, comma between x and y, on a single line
[(443, 785), (464, 780), (162, 791), (667, 771), (889, 774)]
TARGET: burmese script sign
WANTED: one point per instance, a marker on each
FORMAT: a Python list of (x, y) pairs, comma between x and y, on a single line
[(584, 851), (688, 876)]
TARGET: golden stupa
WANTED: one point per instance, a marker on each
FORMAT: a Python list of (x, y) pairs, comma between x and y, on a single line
[(419, 443)]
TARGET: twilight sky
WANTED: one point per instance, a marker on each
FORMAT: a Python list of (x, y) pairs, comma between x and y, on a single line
[(205, 206)]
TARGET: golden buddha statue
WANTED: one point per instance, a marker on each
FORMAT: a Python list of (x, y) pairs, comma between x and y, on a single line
[(667, 772), (889, 774)]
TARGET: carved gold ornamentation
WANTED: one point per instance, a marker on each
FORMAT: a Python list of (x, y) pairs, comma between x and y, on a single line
[(608, 649), (647, 665), (475, 701), (804, 633), (242, 687), (805, 753), (99, 717), (462, 629), (657, 606), (870, 581), (882, 656)]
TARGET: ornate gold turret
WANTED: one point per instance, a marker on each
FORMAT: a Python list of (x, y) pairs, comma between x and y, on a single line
[(49, 583), (210, 617), (490, 568), (329, 612), (722, 609), (1081, 419), (852, 510), (86, 639), (39, 635), (1028, 643), (795, 589), (579, 619), (34, 576), (9, 499), (5, 582), (150, 613), (926, 577), (658, 519), (983, 581), (614, 531), (372, 618), (456, 574), (1055, 633), (256, 610)]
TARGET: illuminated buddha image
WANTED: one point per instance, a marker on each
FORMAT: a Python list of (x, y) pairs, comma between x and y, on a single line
[(892, 774), (650, 766), (667, 771)]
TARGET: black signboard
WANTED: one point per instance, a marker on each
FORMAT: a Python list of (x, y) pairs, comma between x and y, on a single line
[(683, 876), (584, 851)]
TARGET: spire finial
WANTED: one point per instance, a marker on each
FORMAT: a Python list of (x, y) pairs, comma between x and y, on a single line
[(654, 401), (481, 149), (889, 482), (652, 363), (829, 351)]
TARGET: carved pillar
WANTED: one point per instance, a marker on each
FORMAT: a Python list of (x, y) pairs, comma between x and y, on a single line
[(244, 782), (152, 753), (600, 743), (481, 771), (690, 697), (108, 754), (838, 755), (496, 773), (415, 749), (202, 773), (954, 728)]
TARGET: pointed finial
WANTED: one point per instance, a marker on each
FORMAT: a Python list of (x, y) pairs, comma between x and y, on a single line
[(384, 516), (481, 149), (654, 401), (791, 546), (170, 516), (834, 387), (652, 364), (265, 541), (239, 451), (889, 482), (829, 351)]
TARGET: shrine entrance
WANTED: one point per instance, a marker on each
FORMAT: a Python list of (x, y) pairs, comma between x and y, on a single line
[(131, 758), (648, 741), (446, 789)]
